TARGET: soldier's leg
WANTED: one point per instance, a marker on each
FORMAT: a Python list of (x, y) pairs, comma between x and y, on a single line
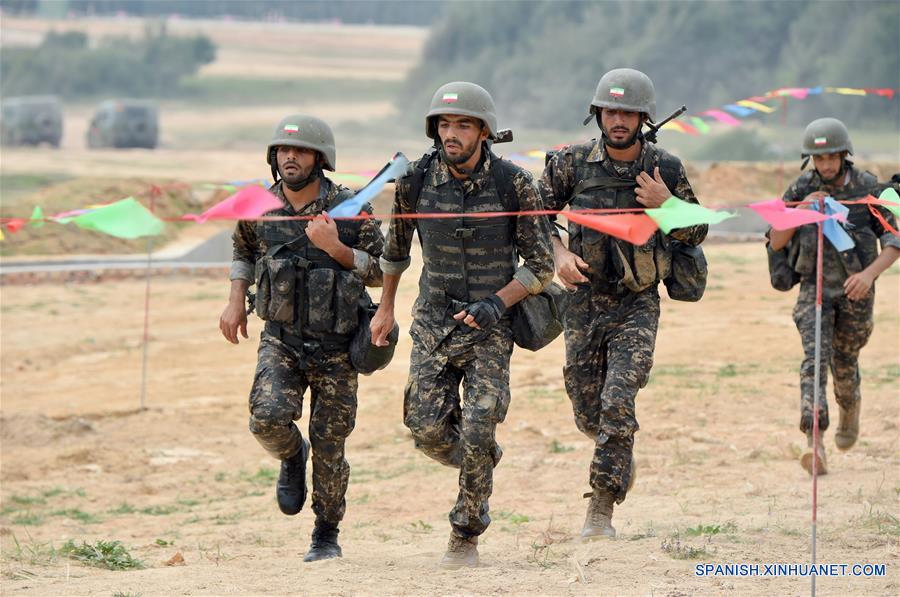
[(853, 326), (333, 384), (805, 320), (585, 368), (485, 402), (431, 405), (629, 357), (276, 399)]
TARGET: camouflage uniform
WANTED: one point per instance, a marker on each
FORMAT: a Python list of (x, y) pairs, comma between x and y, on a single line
[(846, 324), (284, 371), (460, 433), (611, 321)]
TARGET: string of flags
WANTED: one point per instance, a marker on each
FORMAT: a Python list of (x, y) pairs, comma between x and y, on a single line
[(732, 114), (129, 219)]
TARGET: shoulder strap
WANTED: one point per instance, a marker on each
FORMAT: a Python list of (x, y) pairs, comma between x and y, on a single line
[(417, 178), (502, 171)]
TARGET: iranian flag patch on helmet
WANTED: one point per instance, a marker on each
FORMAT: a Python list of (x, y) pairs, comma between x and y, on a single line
[(450, 98), (820, 141), (291, 128), (616, 91)]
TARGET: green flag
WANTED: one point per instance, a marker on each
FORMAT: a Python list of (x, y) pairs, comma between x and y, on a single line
[(37, 217), (890, 194), (675, 213), (124, 219)]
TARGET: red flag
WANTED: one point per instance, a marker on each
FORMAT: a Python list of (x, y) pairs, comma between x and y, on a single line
[(635, 228), (15, 225)]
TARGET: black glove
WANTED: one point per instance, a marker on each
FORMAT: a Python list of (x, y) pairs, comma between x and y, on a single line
[(487, 312)]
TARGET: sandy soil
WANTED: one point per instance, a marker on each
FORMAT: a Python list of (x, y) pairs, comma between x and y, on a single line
[(718, 477)]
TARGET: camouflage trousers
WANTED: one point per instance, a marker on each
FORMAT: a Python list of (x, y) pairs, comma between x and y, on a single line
[(283, 375), (846, 327), (459, 432), (609, 353)]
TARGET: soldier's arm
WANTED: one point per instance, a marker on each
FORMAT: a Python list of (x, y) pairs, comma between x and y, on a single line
[(367, 251), (394, 261), (532, 238), (857, 285), (556, 186), (234, 317), (691, 235)]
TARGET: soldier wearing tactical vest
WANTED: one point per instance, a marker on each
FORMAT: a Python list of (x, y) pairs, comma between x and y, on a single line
[(470, 279), (613, 314), (310, 277), (848, 292)]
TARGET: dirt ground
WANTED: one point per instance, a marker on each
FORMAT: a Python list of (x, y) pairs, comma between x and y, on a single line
[(719, 480)]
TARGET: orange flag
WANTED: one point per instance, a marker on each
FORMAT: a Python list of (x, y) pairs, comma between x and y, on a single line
[(635, 228)]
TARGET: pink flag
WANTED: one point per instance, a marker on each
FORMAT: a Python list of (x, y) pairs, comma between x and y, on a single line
[(635, 228), (250, 202), (777, 214), (723, 117)]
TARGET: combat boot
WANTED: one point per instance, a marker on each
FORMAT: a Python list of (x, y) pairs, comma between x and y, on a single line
[(291, 487), (848, 427), (806, 460), (598, 522), (324, 544), (462, 552)]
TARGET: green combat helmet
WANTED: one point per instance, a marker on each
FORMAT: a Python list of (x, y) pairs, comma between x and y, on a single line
[(826, 135), (367, 358), (300, 130), (624, 89), (462, 99)]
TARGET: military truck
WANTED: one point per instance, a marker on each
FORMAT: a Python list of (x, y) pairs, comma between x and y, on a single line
[(31, 120), (124, 123)]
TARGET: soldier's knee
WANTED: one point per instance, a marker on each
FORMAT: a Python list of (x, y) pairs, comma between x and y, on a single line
[(426, 433), (263, 420)]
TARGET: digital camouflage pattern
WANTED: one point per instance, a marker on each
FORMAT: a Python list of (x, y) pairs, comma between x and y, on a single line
[(864, 228), (611, 321), (459, 431), (846, 327), (283, 374), (846, 324)]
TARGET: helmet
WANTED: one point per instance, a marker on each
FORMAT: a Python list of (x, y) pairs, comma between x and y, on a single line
[(826, 135), (625, 89), (463, 99), (300, 130), (367, 358)]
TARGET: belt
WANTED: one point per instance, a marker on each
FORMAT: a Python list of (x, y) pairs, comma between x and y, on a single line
[(307, 345)]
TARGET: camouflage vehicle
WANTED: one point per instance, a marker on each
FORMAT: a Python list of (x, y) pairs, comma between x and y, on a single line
[(124, 123), (31, 120)]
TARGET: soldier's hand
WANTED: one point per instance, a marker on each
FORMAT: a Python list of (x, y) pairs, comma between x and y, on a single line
[(482, 314), (569, 267), (857, 286), (323, 232), (381, 325), (233, 318), (812, 198), (651, 191)]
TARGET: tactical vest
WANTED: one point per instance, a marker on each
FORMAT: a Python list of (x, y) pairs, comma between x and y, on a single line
[(617, 266), (837, 265), (301, 288), (466, 258)]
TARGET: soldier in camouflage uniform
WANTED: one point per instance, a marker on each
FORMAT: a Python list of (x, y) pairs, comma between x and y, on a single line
[(310, 277), (613, 314), (848, 292), (470, 279)]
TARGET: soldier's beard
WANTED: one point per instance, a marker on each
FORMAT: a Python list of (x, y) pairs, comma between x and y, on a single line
[(300, 179), (619, 144), (834, 179), (464, 156)]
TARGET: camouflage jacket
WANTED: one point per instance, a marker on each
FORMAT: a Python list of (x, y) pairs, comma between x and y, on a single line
[(863, 227), (616, 265), (531, 236), (249, 246)]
